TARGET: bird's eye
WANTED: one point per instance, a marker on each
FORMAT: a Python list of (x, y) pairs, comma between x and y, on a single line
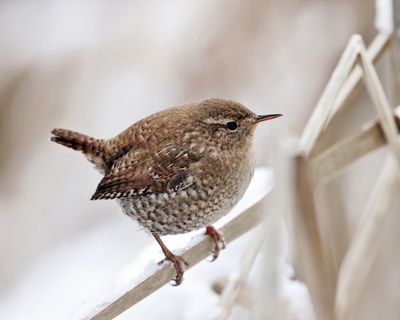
[(232, 125)]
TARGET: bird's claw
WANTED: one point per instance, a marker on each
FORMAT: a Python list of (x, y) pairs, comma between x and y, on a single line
[(180, 266), (218, 239)]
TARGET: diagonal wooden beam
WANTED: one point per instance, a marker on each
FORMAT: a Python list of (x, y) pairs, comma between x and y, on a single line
[(382, 107), (331, 162), (237, 283), (375, 51), (323, 110)]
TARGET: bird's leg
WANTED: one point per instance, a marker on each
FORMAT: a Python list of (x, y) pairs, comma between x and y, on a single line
[(179, 263), (218, 239)]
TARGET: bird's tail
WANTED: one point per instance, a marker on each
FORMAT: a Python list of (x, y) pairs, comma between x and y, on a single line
[(94, 149), (73, 140)]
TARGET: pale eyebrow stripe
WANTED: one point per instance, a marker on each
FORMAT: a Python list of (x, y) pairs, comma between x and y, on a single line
[(217, 121)]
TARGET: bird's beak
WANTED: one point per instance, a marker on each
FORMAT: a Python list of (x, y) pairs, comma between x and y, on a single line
[(261, 118)]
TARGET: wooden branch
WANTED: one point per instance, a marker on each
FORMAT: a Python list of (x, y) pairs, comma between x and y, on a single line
[(396, 41), (310, 246), (383, 109), (375, 51), (324, 109), (330, 163), (366, 242), (236, 284), (193, 255), (333, 224)]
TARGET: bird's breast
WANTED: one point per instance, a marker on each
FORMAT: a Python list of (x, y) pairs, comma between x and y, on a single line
[(216, 189)]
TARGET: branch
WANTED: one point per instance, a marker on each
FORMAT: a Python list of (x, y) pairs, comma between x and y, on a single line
[(236, 285), (335, 159), (367, 240), (127, 297)]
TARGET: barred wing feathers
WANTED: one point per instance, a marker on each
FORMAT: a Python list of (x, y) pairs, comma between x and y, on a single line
[(142, 171)]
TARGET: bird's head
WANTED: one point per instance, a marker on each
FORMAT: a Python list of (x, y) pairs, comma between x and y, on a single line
[(226, 124), (212, 124)]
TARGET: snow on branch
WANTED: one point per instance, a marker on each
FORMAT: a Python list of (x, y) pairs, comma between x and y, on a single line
[(159, 275)]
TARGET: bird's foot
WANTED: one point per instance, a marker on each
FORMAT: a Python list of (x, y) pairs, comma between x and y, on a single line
[(218, 239), (180, 266), (179, 263)]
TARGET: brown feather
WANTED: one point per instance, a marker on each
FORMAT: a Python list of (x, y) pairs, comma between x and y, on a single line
[(95, 150), (141, 172)]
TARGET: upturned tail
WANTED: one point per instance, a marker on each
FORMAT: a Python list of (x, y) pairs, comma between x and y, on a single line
[(94, 149), (73, 140)]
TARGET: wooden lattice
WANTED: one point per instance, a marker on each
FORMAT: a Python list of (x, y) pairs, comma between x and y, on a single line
[(336, 284)]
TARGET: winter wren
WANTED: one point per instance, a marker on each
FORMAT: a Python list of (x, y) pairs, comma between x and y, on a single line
[(178, 170)]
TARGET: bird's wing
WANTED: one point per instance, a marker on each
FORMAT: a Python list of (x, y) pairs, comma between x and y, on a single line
[(141, 171)]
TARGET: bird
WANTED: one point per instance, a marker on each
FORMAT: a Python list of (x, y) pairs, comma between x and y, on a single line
[(178, 170)]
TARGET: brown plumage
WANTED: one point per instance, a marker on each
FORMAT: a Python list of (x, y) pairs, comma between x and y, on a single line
[(177, 170)]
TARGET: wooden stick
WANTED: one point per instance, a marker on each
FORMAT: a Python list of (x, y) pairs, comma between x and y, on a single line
[(310, 246), (330, 163), (366, 242), (396, 41), (375, 51), (236, 285), (385, 113), (193, 255), (333, 224), (324, 108)]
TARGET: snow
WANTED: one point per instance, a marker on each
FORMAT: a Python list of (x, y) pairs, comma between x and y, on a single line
[(295, 294), (69, 281)]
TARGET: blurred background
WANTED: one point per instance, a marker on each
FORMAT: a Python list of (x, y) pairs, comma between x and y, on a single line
[(97, 67)]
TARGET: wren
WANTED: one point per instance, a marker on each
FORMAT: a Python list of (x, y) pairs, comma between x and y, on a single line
[(177, 170)]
